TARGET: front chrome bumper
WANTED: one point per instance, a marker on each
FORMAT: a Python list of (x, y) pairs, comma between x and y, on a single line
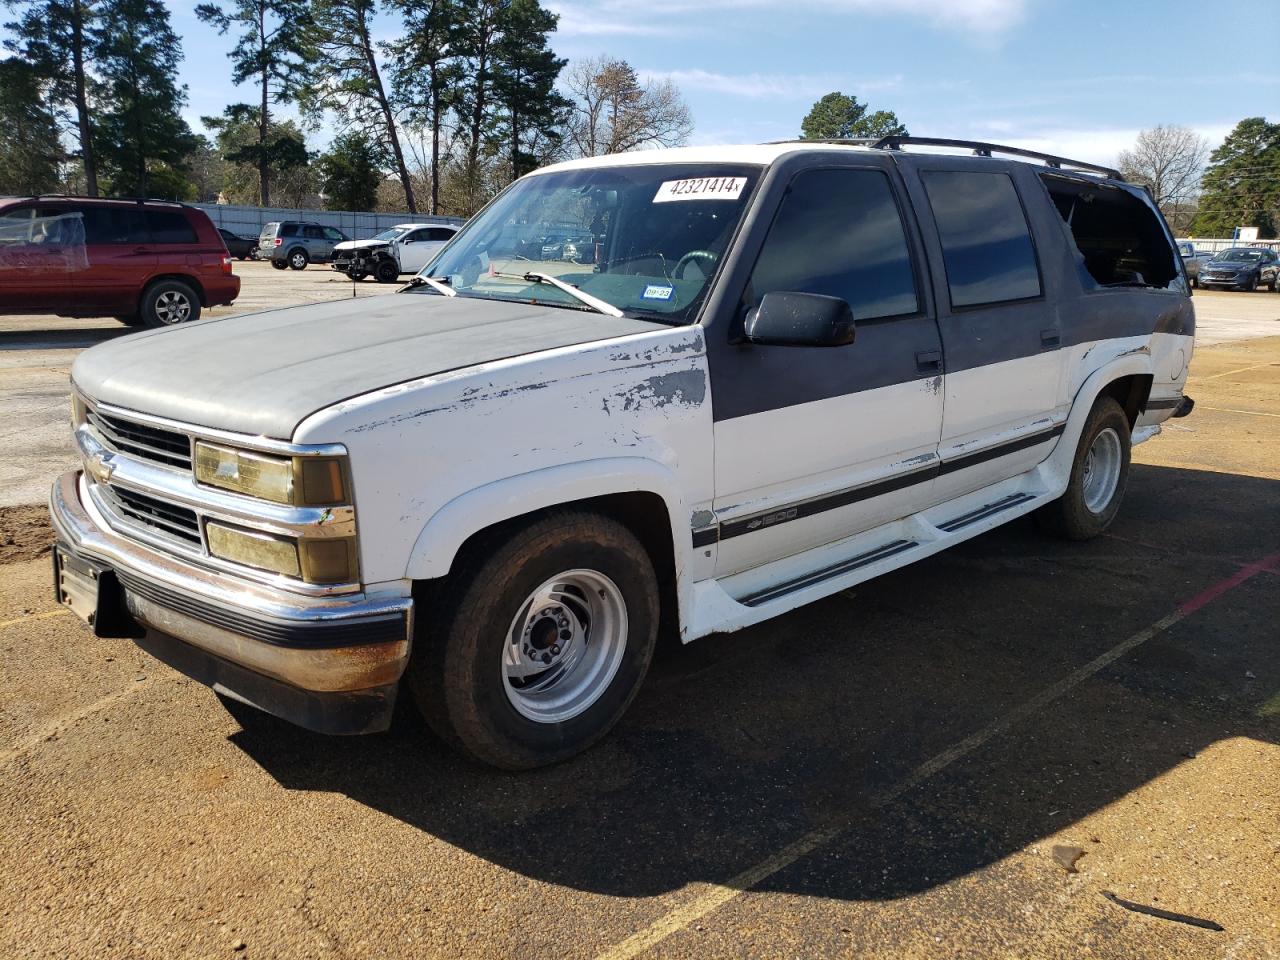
[(329, 663)]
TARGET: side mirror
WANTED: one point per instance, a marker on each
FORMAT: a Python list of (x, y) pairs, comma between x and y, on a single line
[(800, 320)]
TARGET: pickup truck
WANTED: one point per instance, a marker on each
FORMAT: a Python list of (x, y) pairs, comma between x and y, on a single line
[(771, 372)]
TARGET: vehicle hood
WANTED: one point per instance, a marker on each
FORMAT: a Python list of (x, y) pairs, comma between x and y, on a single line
[(264, 373), (360, 244), (1231, 264)]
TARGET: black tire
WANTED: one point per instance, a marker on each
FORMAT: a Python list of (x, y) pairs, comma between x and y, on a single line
[(168, 303), (356, 274), (280, 264), (1071, 516), (457, 673), (298, 259), (131, 320), (387, 271)]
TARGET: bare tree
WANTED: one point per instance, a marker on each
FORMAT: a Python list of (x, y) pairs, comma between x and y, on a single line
[(614, 112), (1170, 160)]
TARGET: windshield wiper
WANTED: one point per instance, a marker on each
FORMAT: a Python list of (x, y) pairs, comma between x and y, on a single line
[(433, 283), (595, 303)]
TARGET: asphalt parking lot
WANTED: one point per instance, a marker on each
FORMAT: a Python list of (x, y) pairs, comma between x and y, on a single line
[(889, 773)]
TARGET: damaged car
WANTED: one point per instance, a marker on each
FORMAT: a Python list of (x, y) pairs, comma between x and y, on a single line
[(775, 372), (404, 248)]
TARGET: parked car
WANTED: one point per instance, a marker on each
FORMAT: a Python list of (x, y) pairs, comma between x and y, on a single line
[(1241, 268), (404, 248), (296, 243), (239, 247), (1192, 261), (145, 262), (487, 490)]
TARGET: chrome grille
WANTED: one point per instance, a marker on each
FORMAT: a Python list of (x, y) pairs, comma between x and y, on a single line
[(145, 442), (166, 519)]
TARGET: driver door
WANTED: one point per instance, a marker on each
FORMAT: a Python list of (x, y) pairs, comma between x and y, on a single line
[(814, 444)]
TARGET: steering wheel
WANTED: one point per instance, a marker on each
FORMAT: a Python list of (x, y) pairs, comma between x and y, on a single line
[(694, 256)]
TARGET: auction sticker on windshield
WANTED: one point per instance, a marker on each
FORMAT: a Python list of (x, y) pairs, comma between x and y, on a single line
[(700, 188)]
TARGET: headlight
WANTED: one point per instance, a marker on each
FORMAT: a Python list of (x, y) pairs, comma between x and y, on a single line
[(300, 481), (329, 560)]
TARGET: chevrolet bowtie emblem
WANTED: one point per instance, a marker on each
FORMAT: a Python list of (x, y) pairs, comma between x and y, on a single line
[(101, 467)]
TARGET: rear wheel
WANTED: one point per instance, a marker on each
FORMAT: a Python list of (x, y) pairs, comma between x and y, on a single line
[(1098, 476), (168, 303), (539, 641), (298, 259), (387, 271)]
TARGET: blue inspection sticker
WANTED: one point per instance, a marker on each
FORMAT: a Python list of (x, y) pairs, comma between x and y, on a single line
[(657, 292)]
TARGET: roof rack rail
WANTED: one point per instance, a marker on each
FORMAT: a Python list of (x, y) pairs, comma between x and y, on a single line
[(79, 196), (982, 149)]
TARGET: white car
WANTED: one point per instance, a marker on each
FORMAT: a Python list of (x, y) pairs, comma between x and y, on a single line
[(767, 373), (404, 248)]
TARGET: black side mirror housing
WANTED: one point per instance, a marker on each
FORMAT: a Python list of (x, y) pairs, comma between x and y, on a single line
[(786, 319)]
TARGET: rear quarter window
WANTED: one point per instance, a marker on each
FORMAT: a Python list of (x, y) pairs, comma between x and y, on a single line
[(170, 226), (986, 242)]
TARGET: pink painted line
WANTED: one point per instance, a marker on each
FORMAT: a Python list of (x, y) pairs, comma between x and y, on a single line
[(1205, 597)]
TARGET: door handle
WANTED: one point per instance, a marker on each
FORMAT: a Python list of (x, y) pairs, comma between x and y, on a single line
[(1050, 338), (929, 360)]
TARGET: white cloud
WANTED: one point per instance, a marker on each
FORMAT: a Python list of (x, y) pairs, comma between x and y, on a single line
[(655, 17), (1097, 145), (767, 86)]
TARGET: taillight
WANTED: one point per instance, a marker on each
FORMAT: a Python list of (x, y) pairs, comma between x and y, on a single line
[(226, 265), (276, 242)]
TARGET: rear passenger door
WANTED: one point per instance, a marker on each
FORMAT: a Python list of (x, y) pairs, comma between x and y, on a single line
[(121, 259), (40, 247), (1001, 335), (813, 444)]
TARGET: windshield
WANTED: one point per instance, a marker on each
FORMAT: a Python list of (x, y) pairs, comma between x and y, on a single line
[(645, 238), (1240, 254), (388, 234)]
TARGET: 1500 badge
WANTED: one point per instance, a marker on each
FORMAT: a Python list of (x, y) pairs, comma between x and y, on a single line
[(769, 519)]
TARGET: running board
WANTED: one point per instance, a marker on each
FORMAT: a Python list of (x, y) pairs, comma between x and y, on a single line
[(826, 573), (990, 510)]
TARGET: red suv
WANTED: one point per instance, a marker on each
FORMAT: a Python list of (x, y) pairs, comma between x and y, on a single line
[(144, 262)]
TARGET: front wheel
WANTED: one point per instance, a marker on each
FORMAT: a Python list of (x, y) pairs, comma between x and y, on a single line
[(1098, 476), (539, 641), (387, 271)]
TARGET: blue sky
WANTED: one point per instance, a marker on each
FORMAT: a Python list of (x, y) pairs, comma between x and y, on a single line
[(1077, 78)]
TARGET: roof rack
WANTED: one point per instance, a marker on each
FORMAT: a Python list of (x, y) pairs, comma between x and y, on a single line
[(77, 196), (980, 149)]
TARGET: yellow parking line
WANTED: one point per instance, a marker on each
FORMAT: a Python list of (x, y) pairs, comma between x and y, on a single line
[(1227, 373), (34, 616)]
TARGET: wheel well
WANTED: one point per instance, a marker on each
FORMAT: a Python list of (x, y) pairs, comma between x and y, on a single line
[(1131, 393), (189, 280), (643, 513)]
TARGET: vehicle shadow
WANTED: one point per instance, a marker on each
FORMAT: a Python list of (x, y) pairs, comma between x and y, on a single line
[(64, 339), (740, 744)]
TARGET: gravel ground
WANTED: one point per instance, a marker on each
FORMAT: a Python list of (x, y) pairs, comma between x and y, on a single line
[(883, 774)]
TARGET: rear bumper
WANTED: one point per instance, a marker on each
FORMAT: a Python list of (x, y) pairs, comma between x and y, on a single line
[(221, 291), (330, 664)]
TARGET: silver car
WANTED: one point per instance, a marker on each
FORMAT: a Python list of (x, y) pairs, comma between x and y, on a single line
[(296, 243)]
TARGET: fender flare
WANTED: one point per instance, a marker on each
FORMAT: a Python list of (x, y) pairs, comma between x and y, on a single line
[(1057, 468), (449, 527)]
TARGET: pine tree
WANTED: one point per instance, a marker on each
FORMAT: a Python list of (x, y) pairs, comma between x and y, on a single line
[(1241, 185), (345, 77), (837, 116), (29, 148), (141, 130), (525, 74), (351, 172), (271, 53), (57, 38)]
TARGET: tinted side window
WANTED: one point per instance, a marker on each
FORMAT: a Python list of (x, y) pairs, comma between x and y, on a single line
[(313, 233), (417, 236), (332, 233), (439, 233), (169, 226), (986, 243), (289, 230), (115, 225), (839, 233)]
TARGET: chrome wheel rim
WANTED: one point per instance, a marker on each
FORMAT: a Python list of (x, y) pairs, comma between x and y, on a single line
[(172, 307), (1101, 470), (564, 646), (298, 260)]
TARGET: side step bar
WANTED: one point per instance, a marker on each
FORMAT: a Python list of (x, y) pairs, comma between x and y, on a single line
[(990, 510), (826, 573)]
